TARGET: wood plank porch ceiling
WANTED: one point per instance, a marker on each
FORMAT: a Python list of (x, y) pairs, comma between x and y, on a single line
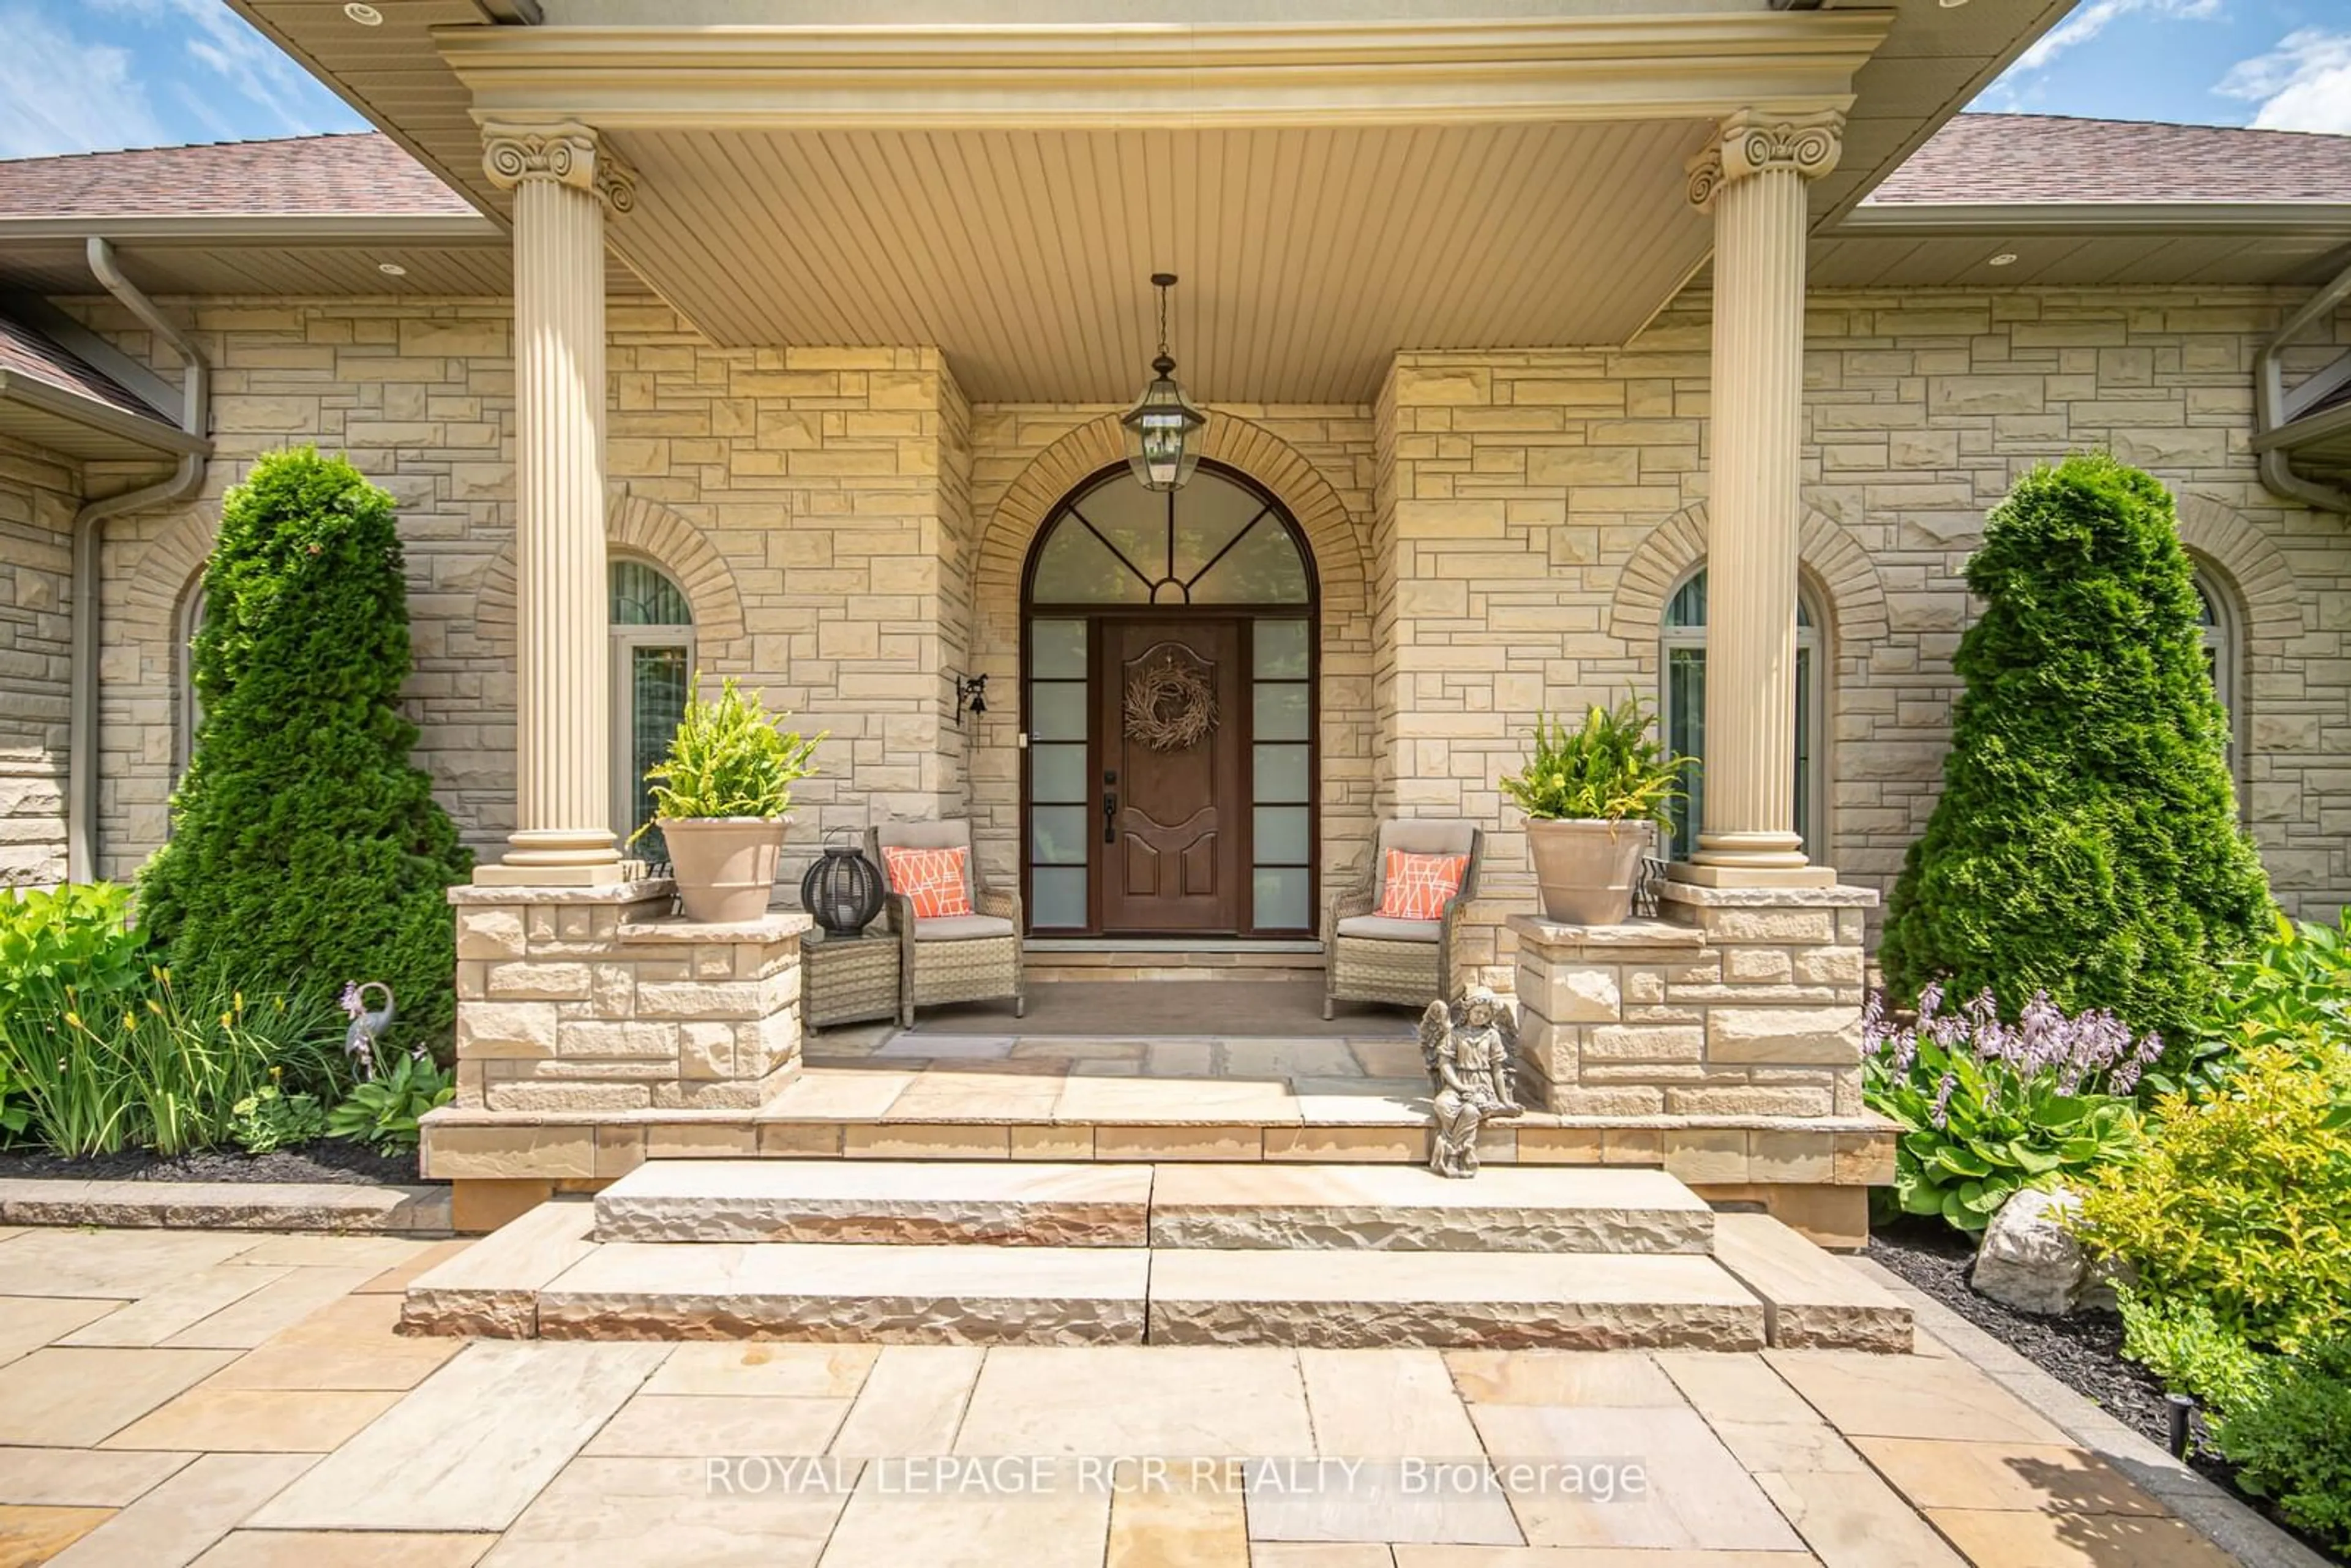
[(1307, 256)]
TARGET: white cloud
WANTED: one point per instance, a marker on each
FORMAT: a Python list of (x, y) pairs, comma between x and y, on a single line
[(60, 94), (2303, 84), (2094, 18), (225, 44)]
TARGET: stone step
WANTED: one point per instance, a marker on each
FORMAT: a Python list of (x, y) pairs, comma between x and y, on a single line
[(1812, 1299), (1410, 1209), (1504, 1301), (899, 1202), (834, 1291)]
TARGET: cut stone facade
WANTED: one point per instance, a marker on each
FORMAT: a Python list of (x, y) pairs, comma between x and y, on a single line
[(40, 492), (593, 1000), (1494, 538)]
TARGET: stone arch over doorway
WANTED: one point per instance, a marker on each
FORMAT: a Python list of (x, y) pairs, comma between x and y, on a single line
[(1335, 538)]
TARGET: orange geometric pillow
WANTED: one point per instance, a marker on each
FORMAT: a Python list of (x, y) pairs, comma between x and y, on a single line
[(931, 880), (1418, 887)]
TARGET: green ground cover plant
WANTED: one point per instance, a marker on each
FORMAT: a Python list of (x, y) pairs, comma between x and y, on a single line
[(2087, 841)]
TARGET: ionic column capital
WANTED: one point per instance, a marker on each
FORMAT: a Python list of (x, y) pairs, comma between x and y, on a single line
[(565, 152), (1751, 141)]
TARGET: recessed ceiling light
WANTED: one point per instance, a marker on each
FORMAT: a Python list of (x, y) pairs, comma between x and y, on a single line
[(368, 16), (2005, 258), (394, 268)]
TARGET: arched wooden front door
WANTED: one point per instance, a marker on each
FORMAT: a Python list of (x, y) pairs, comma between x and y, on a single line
[(1169, 740)]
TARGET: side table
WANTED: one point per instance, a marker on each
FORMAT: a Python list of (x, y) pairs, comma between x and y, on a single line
[(847, 979)]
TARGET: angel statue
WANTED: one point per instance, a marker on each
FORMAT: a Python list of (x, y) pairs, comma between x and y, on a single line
[(1471, 1050)]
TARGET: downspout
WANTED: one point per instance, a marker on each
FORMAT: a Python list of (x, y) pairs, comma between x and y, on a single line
[(88, 538), (2269, 401)]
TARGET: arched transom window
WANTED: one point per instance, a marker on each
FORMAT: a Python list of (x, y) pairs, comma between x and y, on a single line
[(1215, 541), (653, 674), (1681, 708)]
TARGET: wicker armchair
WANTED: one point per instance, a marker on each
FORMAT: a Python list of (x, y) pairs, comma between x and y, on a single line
[(972, 958), (1372, 958)]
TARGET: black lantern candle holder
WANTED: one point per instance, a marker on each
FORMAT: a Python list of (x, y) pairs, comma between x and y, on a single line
[(843, 890)]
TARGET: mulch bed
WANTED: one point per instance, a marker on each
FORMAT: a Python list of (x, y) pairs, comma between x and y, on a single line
[(330, 1160), (2081, 1350)]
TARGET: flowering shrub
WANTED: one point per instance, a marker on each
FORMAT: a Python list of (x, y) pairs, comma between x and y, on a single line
[(1987, 1107)]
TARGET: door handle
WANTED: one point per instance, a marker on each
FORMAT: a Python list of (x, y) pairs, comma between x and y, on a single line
[(1110, 818)]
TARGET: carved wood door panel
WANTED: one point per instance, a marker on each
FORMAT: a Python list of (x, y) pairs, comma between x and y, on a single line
[(1170, 856)]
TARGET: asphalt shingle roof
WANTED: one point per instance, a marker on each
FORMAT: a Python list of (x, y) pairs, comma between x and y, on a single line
[(1976, 158), (2004, 158), (358, 174), (26, 352)]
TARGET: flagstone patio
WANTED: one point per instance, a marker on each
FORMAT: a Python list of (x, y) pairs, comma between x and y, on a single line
[(188, 1397)]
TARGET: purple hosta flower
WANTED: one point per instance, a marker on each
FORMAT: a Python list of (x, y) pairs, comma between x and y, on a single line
[(1930, 999), (350, 1000), (1940, 1115), (2125, 1078)]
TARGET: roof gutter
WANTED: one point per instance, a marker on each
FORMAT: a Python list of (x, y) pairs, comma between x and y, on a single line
[(89, 539), (2272, 411)]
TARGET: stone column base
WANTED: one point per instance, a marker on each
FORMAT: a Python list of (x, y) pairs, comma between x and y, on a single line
[(1734, 1018), (594, 998)]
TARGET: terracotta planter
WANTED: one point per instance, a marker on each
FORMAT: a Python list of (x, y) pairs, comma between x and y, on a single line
[(724, 866), (1586, 869)]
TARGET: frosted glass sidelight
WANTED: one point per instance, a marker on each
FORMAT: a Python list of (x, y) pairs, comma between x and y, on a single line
[(1280, 774), (1057, 834), (1057, 710), (1280, 897), (1057, 650), (1282, 836), (1280, 711), (1057, 773), (1280, 651), (1057, 896)]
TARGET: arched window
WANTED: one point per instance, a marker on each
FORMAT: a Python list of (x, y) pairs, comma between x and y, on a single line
[(1215, 541), (1681, 711), (2216, 609), (652, 675), (187, 712)]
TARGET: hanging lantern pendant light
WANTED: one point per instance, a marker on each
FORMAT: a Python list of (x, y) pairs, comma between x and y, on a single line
[(1163, 428)]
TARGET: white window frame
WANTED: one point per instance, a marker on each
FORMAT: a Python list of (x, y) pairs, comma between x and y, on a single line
[(187, 712), (622, 716), (1812, 650), (2222, 650)]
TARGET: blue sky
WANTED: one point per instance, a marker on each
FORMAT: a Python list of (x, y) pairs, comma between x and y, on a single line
[(80, 75)]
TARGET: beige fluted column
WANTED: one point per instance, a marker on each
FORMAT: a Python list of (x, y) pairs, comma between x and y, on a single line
[(563, 179), (1752, 179)]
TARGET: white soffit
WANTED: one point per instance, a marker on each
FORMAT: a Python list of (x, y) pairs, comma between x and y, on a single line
[(1308, 256)]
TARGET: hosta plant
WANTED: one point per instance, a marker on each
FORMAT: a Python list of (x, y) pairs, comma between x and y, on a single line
[(382, 1113), (1987, 1107), (269, 1119), (1612, 770)]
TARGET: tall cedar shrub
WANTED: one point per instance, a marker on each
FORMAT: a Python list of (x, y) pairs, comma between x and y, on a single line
[(305, 849), (2086, 842)]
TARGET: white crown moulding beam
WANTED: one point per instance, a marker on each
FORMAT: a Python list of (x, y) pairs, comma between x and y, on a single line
[(1137, 76)]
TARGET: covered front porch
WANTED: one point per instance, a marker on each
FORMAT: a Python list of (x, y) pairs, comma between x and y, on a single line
[(1393, 239)]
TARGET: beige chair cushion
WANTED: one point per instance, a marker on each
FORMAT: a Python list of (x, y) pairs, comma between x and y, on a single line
[(1380, 929), (962, 928), (948, 835)]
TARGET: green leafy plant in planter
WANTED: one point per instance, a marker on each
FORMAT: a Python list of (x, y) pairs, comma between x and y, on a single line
[(383, 1112), (1593, 797), (720, 798), (1989, 1108)]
